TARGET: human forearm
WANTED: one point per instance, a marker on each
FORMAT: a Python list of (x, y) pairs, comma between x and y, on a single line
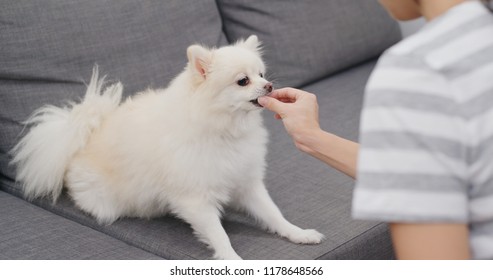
[(430, 241), (299, 112), (337, 152)]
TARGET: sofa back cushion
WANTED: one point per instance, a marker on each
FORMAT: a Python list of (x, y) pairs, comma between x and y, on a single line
[(48, 49), (307, 40)]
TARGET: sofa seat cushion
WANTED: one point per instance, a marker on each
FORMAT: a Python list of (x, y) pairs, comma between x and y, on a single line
[(308, 40), (29, 232), (309, 194)]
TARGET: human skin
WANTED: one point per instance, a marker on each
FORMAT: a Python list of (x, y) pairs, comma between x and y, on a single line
[(298, 111)]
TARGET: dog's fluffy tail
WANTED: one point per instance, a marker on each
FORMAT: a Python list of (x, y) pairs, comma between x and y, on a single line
[(43, 155)]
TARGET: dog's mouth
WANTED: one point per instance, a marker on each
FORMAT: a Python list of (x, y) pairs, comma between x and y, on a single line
[(268, 90), (255, 102)]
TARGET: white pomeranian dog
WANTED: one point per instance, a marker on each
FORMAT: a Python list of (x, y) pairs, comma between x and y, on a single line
[(189, 149)]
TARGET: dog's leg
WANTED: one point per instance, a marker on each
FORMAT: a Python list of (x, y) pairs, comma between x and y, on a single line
[(205, 221), (258, 203)]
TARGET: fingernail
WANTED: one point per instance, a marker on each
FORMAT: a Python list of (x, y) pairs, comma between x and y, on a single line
[(262, 100)]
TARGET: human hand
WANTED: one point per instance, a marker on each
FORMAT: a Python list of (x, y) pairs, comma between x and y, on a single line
[(297, 109)]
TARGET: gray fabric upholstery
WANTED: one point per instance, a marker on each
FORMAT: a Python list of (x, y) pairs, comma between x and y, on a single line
[(29, 232), (308, 193), (48, 49), (308, 40)]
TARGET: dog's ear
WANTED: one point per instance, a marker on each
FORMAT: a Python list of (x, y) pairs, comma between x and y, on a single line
[(252, 43), (199, 58)]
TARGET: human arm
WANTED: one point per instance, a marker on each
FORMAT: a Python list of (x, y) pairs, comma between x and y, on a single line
[(412, 165), (413, 241), (337, 152), (299, 112)]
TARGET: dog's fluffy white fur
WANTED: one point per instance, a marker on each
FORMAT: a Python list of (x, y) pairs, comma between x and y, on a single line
[(189, 149)]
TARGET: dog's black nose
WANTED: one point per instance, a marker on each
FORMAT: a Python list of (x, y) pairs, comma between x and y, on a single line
[(268, 87)]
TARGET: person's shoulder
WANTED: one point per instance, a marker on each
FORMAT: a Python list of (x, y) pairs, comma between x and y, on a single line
[(447, 39), (401, 71), (405, 53)]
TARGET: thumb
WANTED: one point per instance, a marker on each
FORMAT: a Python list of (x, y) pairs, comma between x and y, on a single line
[(271, 104)]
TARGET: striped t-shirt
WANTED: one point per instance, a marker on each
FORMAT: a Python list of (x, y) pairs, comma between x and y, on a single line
[(427, 129)]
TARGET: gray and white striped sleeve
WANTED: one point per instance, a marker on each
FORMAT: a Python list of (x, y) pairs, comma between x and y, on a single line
[(411, 165)]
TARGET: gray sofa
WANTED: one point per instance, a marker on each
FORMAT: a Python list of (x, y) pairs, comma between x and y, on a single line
[(328, 47)]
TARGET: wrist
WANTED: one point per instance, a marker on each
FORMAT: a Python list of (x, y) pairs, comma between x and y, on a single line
[(337, 152), (308, 141)]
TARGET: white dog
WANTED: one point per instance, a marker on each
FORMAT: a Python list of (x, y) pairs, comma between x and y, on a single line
[(189, 149)]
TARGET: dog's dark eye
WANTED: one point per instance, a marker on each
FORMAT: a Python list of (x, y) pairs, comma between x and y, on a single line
[(261, 75), (243, 82)]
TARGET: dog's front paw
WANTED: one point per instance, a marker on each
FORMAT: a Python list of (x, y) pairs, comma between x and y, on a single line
[(306, 236), (227, 256)]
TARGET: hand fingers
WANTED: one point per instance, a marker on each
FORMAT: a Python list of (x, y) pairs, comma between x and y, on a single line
[(276, 101), (286, 94), (286, 100), (271, 104)]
